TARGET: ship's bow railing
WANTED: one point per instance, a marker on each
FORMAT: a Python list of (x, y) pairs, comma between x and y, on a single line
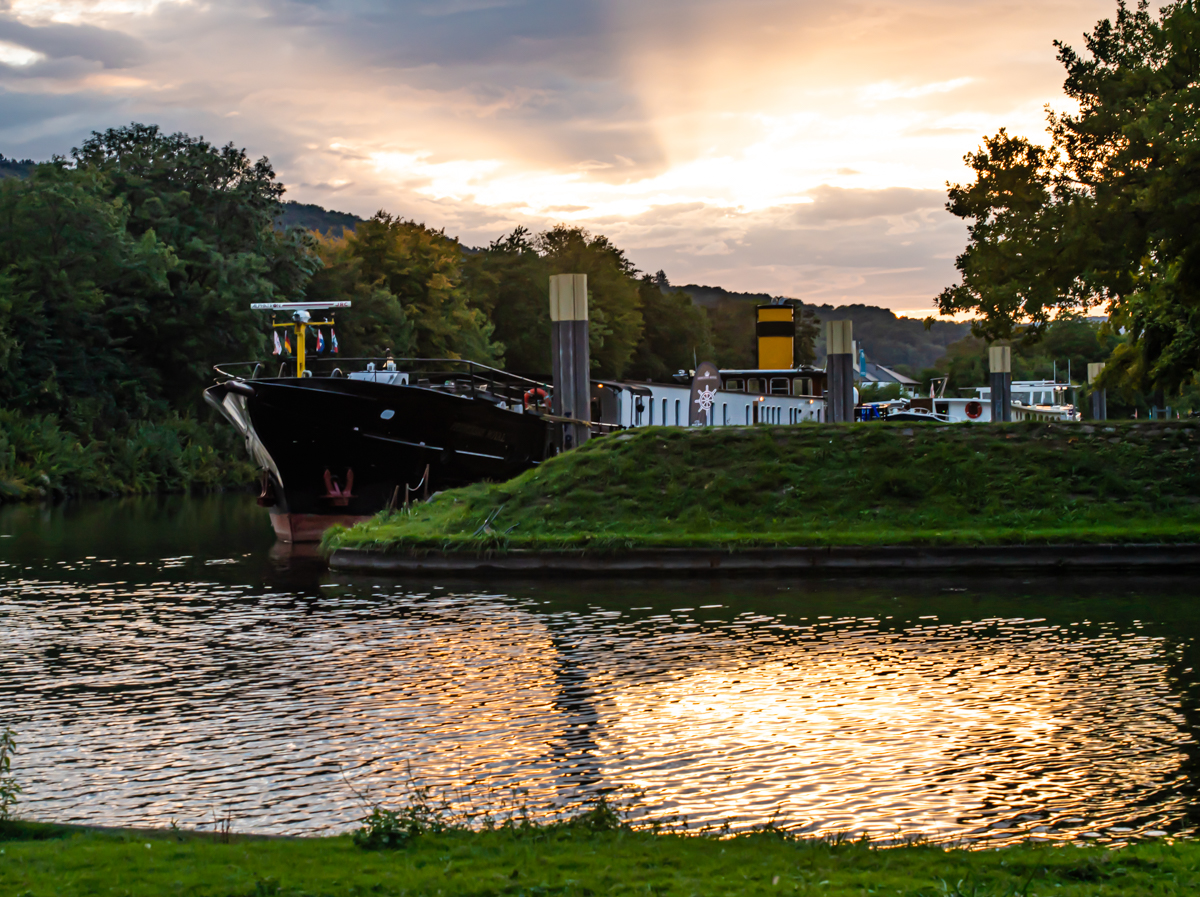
[(446, 374)]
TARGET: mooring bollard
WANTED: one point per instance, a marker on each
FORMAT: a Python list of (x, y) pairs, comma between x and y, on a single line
[(570, 356), (1099, 396), (1000, 362), (839, 368)]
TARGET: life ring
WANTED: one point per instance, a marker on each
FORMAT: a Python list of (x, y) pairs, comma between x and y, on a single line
[(534, 396), (974, 409)]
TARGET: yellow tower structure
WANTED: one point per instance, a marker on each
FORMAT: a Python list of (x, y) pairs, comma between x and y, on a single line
[(776, 332)]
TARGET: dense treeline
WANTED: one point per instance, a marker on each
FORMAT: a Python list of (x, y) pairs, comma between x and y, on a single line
[(124, 272)]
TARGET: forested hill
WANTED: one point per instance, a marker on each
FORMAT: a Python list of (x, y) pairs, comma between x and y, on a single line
[(11, 168), (313, 217), (887, 339)]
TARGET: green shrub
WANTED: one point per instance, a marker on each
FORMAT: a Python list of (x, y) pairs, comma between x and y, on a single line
[(9, 789), (386, 830), (41, 457)]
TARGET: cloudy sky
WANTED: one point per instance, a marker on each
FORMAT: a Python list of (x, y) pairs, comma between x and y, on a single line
[(789, 146)]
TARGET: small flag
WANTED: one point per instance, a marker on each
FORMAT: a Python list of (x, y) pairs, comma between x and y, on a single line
[(320, 341), (278, 347), (333, 339), (287, 345)]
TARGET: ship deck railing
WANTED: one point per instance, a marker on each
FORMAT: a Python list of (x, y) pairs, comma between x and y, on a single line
[(449, 374)]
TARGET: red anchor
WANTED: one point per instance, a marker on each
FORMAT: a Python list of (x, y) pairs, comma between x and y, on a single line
[(340, 497)]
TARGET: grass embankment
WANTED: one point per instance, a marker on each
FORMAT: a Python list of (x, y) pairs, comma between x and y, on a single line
[(863, 484), (571, 860)]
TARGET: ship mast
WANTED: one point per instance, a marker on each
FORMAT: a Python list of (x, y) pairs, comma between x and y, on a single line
[(301, 319)]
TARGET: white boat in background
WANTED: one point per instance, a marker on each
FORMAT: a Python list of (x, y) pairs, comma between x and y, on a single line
[(1036, 400), (1031, 400)]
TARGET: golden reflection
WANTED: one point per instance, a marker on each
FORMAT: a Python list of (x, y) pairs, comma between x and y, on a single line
[(926, 734), (214, 693)]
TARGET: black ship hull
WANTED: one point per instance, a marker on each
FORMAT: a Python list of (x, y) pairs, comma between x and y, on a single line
[(340, 450)]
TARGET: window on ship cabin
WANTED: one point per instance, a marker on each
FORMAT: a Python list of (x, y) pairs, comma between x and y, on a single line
[(779, 386), (724, 415), (677, 412), (754, 386), (664, 419), (735, 385)]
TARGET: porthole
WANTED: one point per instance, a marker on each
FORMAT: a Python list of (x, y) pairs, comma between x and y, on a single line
[(388, 414)]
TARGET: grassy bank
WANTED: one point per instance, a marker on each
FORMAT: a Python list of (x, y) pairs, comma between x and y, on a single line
[(42, 458), (865, 484), (572, 860)]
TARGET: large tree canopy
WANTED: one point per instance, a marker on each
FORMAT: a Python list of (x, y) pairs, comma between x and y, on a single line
[(1108, 214), (124, 276), (214, 208)]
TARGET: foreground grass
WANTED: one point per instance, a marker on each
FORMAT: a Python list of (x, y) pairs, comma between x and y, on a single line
[(568, 861), (864, 484)]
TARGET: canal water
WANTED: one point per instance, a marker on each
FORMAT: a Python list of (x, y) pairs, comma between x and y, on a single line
[(161, 661)]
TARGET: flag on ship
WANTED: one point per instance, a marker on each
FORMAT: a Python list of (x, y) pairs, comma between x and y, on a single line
[(320, 341), (287, 345), (278, 348), (333, 339)]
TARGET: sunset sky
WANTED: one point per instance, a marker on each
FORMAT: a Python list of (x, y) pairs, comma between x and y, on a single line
[(797, 148)]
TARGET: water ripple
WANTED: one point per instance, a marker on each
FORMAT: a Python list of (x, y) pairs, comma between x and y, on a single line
[(146, 689)]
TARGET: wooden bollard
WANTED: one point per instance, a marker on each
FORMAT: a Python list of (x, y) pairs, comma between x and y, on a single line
[(1000, 363), (1099, 396)]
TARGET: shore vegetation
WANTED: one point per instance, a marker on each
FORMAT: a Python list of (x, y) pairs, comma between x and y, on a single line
[(859, 484)]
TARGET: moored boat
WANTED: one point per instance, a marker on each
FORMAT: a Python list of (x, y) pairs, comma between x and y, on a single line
[(337, 448)]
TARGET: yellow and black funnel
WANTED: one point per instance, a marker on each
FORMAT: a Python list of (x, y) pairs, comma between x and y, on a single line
[(776, 332)]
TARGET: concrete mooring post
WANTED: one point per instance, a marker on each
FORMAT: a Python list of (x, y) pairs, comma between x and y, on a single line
[(1099, 396), (1000, 362), (839, 368), (570, 357)]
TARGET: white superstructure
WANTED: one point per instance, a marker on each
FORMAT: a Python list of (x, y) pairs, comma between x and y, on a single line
[(662, 404)]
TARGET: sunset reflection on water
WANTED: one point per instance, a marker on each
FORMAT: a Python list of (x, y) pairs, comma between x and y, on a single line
[(149, 690)]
